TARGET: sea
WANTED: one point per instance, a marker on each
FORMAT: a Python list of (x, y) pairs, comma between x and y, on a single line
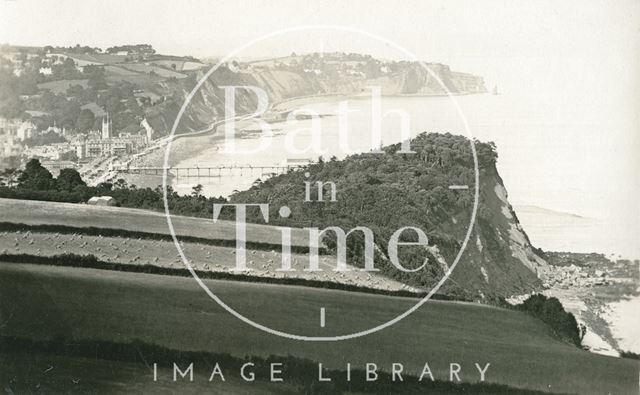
[(572, 179), (570, 169)]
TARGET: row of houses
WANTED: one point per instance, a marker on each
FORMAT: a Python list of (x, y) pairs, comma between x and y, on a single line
[(93, 144)]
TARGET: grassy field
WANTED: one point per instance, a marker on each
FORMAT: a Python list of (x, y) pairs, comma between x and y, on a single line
[(202, 257), (116, 74), (61, 86), (161, 71), (136, 250), (41, 302), (118, 368), (82, 215), (51, 374)]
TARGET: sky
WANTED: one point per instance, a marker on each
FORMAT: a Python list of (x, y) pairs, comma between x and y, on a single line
[(498, 39), (461, 33), (583, 55)]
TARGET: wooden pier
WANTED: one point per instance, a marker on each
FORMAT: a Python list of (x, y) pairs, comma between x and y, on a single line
[(210, 171)]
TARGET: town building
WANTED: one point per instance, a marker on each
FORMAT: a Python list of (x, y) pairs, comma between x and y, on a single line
[(107, 124), (10, 126), (52, 151), (81, 149), (9, 146), (26, 130), (97, 148), (105, 144)]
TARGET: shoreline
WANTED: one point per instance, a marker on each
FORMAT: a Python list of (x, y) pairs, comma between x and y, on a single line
[(602, 294), (624, 322), (596, 310), (180, 153), (607, 307)]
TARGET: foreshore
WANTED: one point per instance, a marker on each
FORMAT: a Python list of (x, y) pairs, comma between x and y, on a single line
[(624, 322), (185, 146), (603, 295)]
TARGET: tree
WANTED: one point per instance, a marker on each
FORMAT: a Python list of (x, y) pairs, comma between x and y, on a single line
[(137, 49), (85, 120), (10, 175), (120, 183), (35, 176), (47, 138), (66, 71), (104, 187), (11, 107), (551, 311), (97, 80), (69, 180), (197, 190)]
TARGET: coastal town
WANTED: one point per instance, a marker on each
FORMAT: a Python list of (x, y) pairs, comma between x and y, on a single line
[(96, 110), (76, 150), (363, 197), (67, 107)]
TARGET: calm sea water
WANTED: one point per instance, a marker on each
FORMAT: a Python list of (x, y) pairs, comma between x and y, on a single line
[(570, 169)]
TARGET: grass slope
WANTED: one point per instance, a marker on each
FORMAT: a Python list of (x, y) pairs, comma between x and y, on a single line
[(32, 373), (90, 261), (30, 212), (298, 375), (42, 302)]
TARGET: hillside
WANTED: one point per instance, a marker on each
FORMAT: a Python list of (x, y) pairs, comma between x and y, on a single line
[(30, 212), (300, 76), (140, 240), (387, 192), (72, 88), (382, 192), (73, 305)]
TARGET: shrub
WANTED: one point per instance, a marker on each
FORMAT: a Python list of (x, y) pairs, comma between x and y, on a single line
[(629, 354), (551, 312)]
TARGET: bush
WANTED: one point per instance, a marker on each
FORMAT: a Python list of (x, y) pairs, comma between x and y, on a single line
[(551, 312), (629, 355)]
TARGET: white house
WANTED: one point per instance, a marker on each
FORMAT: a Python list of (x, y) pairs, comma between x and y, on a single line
[(26, 130)]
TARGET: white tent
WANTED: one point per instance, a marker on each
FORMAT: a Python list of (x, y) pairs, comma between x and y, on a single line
[(102, 201)]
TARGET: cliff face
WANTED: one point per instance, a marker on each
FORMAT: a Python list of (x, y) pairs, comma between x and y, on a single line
[(207, 105), (417, 80), (499, 258), (387, 192)]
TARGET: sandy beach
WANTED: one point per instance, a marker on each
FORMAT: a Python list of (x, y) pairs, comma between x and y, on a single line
[(624, 323)]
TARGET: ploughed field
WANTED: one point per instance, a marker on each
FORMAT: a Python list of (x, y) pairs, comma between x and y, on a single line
[(44, 302)]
